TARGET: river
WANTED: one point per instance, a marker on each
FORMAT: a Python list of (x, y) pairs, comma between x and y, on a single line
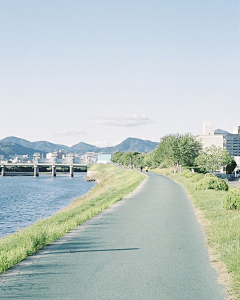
[(26, 199)]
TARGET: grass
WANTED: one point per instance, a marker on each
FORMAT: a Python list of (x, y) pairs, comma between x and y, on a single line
[(114, 184), (222, 228)]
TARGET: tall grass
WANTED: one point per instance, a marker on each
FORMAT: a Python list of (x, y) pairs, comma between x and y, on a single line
[(113, 186), (221, 226)]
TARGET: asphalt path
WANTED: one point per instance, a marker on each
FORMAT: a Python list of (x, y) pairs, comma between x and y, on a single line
[(147, 246), (235, 183)]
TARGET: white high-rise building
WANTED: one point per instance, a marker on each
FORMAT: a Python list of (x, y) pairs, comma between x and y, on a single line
[(209, 138), (208, 128)]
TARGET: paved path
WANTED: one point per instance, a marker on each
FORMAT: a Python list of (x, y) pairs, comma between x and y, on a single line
[(149, 247), (234, 183)]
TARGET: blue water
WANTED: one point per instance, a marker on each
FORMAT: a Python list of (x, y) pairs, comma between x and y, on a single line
[(26, 199)]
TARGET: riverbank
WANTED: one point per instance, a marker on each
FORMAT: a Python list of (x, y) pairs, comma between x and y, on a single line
[(113, 185), (221, 228), (148, 246)]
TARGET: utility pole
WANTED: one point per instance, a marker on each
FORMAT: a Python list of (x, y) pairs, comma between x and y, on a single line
[(130, 162)]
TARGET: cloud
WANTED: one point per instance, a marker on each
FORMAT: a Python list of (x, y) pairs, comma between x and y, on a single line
[(69, 133), (121, 120)]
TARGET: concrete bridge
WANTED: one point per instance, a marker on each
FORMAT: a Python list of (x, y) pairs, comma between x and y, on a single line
[(36, 167)]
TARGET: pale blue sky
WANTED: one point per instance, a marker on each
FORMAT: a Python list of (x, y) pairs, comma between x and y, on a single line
[(102, 71)]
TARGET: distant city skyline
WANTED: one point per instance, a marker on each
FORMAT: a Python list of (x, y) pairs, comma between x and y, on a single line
[(100, 72)]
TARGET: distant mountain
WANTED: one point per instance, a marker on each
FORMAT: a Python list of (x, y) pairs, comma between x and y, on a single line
[(128, 145), (10, 148), (132, 144), (82, 148), (220, 131), (42, 145)]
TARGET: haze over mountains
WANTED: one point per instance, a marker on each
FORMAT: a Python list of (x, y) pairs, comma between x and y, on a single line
[(13, 145)]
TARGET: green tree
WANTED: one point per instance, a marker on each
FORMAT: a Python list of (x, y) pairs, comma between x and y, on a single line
[(138, 159), (213, 158), (177, 149), (230, 167), (149, 160), (117, 157), (129, 158)]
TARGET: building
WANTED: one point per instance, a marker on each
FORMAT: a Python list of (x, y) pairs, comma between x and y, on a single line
[(36, 156), (90, 157), (232, 142), (61, 154), (21, 159), (221, 138), (209, 138), (104, 158), (52, 155)]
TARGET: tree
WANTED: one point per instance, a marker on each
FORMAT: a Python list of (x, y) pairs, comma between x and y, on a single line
[(230, 167), (177, 149), (138, 159), (149, 160), (213, 158), (117, 157), (133, 158)]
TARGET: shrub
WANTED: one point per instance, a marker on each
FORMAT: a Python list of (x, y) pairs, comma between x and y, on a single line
[(197, 170), (184, 173), (197, 177), (211, 183), (232, 199), (190, 174), (210, 175)]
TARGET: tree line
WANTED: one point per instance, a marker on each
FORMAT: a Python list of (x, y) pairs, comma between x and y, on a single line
[(177, 150)]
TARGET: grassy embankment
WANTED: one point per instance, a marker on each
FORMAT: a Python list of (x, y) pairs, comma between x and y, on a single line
[(222, 228), (113, 186)]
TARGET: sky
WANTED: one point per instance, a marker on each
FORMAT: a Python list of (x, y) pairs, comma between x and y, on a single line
[(102, 71)]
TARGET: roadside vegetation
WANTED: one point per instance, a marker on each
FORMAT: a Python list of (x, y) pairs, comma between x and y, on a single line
[(213, 158), (217, 205), (135, 159), (221, 225), (113, 184), (176, 150)]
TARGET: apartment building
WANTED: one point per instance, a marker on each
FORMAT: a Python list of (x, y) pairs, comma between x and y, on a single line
[(221, 138)]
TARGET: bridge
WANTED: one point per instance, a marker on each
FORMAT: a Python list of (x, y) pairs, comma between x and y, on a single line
[(36, 167)]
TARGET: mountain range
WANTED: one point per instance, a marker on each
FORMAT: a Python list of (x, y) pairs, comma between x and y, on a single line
[(10, 149), (13, 145)]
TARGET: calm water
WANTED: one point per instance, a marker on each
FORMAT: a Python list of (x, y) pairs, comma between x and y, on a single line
[(26, 199)]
